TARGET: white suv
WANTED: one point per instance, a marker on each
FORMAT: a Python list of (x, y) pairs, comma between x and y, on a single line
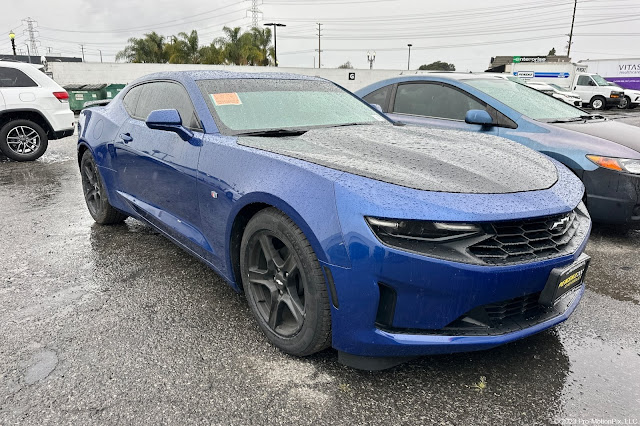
[(33, 110)]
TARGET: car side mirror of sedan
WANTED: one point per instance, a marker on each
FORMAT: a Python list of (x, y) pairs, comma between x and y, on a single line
[(168, 120), (478, 116), (377, 107)]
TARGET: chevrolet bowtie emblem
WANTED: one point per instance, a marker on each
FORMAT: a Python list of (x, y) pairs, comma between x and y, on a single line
[(559, 224)]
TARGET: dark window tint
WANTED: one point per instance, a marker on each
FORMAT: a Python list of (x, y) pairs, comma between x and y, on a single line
[(130, 100), (434, 100), (379, 97), (167, 95), (11, 77), (584, 80)]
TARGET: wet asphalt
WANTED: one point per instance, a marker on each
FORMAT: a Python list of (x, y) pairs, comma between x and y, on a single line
[(116, 325)]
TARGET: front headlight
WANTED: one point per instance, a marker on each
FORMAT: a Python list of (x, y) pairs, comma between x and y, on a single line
[(617, 164), (443, 240)]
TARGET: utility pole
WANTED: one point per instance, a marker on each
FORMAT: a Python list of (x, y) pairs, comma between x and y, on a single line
[(575, 6), (275, 39), (319, 47), (409, 60), (28, 52), (371, 57), (82, 48), (32, 33), (100, 55)]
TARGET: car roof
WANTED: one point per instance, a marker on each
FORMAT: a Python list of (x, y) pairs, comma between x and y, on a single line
[(223, 75), (453, 75)]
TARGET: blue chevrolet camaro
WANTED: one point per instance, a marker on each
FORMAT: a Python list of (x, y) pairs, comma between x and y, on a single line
[(341, 228), (603, 153)]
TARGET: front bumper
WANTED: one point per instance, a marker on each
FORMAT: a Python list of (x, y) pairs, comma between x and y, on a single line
[(613, 197), (431, 294), (614, 101)]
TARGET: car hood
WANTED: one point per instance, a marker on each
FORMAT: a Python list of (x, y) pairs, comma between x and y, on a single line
[(419, 157), (620, 133)]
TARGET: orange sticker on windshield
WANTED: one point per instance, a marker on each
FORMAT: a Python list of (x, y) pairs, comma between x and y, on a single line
[(226, 99)]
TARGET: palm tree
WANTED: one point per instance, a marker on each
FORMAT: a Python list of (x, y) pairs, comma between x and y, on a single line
[(212, 54), (232, 45), (184, 49), (262, 41), (149, 49)]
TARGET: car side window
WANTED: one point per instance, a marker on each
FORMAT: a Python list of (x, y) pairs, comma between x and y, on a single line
[(584, 80), (380, 97), (130, 100), (434, 100), (11, 77), (167, 95)]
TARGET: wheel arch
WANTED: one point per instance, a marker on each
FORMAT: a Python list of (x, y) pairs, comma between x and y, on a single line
[(27, 114), (242, 214)]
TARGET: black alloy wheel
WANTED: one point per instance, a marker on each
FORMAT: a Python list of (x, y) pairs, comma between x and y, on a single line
[(276, 284), (95, 194), (284, 285)]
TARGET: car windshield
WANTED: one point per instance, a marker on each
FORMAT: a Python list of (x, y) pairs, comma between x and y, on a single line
[(241, 106), (525, 100), (600, 81)]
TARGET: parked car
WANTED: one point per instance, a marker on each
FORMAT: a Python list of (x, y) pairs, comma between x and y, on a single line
[(33, 110), (604, 154), (565, 95), (342, 229)]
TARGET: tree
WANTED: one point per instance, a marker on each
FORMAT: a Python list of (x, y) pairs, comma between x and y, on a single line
[(232, 45), (183, 49), (262, 41), (552, 52), (212, 54), (149, 49), (346, 66), (438, 66)]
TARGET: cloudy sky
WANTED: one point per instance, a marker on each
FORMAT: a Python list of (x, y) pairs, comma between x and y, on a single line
[(465, 32)]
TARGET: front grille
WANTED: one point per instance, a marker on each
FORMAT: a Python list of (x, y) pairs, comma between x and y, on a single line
[(520, 307), (529, 240)]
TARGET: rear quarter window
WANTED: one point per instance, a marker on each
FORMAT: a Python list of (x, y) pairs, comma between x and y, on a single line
[(11, 77)]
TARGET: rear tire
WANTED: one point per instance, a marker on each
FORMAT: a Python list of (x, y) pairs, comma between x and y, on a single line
[(23, 140), (599, 103), (284, 285), (95, 193)]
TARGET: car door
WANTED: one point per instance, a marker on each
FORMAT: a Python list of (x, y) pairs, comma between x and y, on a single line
[(157, 170), (434, 104), (585, 88), (17, 88)]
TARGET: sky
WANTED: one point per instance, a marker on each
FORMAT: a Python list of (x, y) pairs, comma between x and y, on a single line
[(466, 33)]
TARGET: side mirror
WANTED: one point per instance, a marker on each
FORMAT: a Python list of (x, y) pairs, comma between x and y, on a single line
[(377, 107), (478, 116), (168, 120)]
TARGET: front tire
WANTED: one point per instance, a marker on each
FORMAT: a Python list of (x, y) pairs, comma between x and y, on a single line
[(95, 194), (625, 104), (23, 140), (284, 285), (599, 103)]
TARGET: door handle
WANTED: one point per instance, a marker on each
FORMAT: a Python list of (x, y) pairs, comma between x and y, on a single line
[(126, 137)]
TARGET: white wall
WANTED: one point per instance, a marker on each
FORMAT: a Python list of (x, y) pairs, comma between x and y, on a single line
[(97, 73)]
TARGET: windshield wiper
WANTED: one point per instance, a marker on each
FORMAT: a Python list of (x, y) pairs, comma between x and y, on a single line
[(580, 118), (274, 133), (351, 124)]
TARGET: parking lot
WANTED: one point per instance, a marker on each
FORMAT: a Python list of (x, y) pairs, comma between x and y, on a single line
[(118, 325)]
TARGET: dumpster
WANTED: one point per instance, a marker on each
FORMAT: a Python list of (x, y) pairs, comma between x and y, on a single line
[(81, 93), (112, 90)]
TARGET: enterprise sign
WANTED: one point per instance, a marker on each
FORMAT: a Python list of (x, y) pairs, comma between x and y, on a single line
[(530, 59)]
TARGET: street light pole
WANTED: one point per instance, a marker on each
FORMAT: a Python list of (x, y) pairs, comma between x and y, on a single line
[(409, 60), (100, 55), (28, 52), (275, 39), (371, 57), (12, 36)]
